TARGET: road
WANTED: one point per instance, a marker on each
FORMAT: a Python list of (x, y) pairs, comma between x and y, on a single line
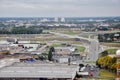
[(95, 71), (92, 45)]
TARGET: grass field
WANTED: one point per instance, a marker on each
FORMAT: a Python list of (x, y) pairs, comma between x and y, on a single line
[(56, 45), (111, 44), (80, 48), (69, 32), (72, 32), (106, 74), (111, 51)]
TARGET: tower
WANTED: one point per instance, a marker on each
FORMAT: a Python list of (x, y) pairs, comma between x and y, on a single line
[(56, 19), (62, 19)]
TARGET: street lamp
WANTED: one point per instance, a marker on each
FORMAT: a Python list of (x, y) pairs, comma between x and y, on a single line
[(69, 58)]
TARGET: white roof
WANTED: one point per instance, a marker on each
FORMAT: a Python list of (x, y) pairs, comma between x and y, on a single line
[(69, 48), (31, 45), (82, 73), (3, 42), (82, 69), (23, 41), (38, 70), (14, 45)]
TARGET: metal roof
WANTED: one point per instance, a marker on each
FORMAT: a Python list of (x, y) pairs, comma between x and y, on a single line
[(38, 70)]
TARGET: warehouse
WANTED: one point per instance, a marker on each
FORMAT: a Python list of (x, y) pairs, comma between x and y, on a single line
[(39, 71)]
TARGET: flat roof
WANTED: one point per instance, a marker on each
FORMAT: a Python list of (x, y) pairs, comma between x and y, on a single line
[(39, 70)]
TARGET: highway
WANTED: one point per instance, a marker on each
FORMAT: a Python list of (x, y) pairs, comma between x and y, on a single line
[(92, 45)]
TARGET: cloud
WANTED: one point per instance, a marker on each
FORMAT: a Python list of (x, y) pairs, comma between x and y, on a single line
[(59, 7)]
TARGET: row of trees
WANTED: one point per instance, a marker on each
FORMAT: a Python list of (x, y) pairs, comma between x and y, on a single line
[(117, 26), (108, 63), (50, 54), (47, 56), (110, 37), (22, 30)]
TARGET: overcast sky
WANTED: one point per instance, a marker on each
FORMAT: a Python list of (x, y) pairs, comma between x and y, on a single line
[(59, 8)]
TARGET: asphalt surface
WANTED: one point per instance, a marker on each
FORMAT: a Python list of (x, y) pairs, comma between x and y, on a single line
[(95, 71), (93, 46)]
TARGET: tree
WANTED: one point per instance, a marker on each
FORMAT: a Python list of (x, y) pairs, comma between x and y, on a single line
[(105, 53), (24, 30), (108, 63), (51, 53), (52, 49)]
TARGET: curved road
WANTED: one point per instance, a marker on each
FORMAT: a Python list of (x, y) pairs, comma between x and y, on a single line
[(92, 45)]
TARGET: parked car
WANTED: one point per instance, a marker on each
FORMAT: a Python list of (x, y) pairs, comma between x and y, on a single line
[(82, 69), (91, 73), (92, 68)]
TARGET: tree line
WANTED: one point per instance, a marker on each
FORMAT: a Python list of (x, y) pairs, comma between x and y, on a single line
[(109, 37), (107, 62), (22, 30)]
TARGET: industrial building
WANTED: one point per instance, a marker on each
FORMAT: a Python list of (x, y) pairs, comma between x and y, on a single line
[(38, 71), (62, 54)]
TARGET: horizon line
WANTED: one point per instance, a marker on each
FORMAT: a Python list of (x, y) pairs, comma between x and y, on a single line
[(53, 16)]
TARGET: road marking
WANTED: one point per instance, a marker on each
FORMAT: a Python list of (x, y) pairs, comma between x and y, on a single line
[(22, 71), (7, 71)]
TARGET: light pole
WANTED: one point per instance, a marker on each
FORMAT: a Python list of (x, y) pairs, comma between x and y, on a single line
[(69, 58)]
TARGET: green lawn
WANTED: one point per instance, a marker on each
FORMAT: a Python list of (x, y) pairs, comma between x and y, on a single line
[(69, 32), (80, 48), (110, 44), (112, 51), (56, 45), (106, 74)]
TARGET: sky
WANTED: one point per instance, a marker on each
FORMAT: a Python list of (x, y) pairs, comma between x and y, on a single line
[(59, 8)]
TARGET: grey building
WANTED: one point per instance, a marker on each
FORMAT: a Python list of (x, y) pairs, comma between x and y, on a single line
[(38, 71), (62, 54)]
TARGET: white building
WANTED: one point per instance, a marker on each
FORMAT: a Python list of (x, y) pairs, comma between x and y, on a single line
[(62, 19), (62, 54), (23, 42), (56, 19), (4, 42)]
